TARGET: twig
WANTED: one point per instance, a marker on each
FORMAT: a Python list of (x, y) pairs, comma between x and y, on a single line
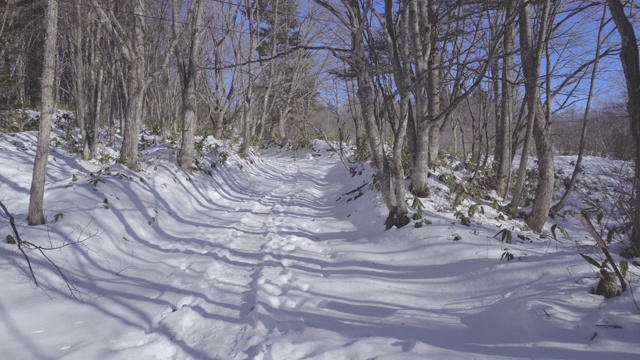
[(19, 241), (614, 326)]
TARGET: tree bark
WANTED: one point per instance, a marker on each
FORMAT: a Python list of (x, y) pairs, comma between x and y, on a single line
[(189, 100), (36, 195), (546, 177), (531, 97), (136, 87), (421, 33), (434, 83)]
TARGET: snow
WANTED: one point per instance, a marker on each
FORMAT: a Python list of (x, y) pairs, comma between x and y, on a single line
[(268, 257)]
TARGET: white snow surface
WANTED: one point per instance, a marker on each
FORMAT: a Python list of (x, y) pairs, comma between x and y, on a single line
[(270, 258)]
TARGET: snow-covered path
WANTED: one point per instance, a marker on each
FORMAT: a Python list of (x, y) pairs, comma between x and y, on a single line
[(200, 279), (275, 258), (230, 270)]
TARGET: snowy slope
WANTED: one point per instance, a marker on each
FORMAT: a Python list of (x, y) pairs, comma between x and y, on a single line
[(271, 257)]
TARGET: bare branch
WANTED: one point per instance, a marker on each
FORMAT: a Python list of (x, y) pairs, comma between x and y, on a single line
[(25, 246)]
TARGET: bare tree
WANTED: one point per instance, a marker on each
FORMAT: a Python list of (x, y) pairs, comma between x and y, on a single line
[(131, 43), (399, 48), (423, 33), (531, 54), (75, 37), (222, 76), (36, 195), (430, 38), (84, 42), (355, 19), (547, 41)]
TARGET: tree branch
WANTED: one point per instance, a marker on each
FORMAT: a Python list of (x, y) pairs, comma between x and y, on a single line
[(25, 246)]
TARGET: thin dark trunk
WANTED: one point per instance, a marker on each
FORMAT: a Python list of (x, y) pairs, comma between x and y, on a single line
[(246, 105), (532, 96), (503, 151)]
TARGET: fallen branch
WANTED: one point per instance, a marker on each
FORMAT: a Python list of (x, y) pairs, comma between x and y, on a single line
[(614, 326), (19, 241), (356, 190), (25, 246)]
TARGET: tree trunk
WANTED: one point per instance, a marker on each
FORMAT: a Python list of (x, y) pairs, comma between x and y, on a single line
[(434, 75), (365, 95), (546, 177), (503, 129), (97, 78), (136, 89), (542, 135), (422, 34), (531, 98), (434, 143), (189, 101), (399, 44), (282, 134), (631, 67), (79, 83), (218, 124), (246, 105), (420, 171), (36, 195), (112, 108), (267, 106)]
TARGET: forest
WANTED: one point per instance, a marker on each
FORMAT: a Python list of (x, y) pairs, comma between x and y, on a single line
[(499, 121)]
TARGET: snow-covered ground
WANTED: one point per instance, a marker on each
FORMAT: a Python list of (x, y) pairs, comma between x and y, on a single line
[(274, 257)]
